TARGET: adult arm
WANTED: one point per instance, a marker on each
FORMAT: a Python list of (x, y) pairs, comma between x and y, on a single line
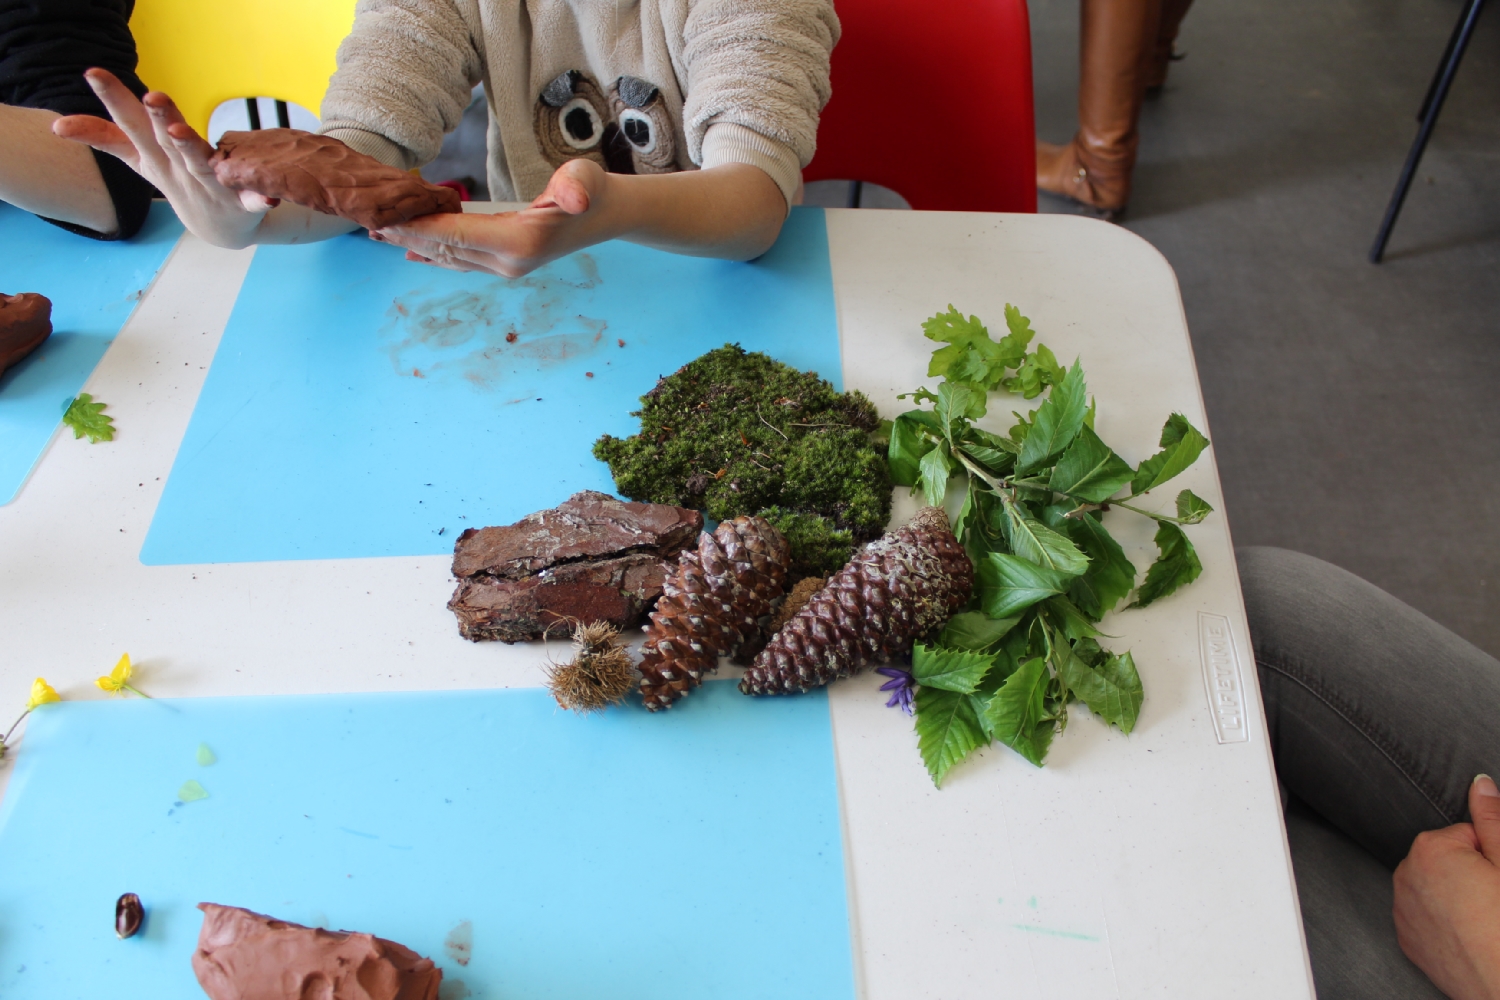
[(49, 176), (1447, 901)]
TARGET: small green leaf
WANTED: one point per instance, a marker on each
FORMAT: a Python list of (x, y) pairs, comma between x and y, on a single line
[(952, 327), (956, 403), (1089, 469), (87, 417), (1008, 584), (1014, 715), (994, 461), (205, 755), (1014, 343), (1176, 567), (1039, 370), (1181, 445), (970, 368), (1057, 421), (191, 791), (1191, 507), (1112, 690), (974, 630), (949, 669), (933, 473), (948, 730), (978, 435), (1075, 624), (1110, 575), (908, 444), (1031, 539)]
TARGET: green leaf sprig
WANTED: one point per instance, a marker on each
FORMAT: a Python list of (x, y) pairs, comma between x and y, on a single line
[(1032, 521)]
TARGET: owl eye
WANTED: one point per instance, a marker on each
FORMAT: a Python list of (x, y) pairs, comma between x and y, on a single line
[(638, 130), (581, 127)]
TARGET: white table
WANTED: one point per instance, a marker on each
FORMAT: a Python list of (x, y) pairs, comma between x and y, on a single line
[(1150, 865)]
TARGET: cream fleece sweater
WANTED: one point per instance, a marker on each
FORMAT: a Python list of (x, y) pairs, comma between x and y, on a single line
[(639, 86)]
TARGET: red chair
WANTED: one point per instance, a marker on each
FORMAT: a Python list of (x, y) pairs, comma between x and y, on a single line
[(933, 100)]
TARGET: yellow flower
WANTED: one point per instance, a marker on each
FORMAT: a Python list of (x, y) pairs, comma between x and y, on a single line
[(41, 694), (119, 678)]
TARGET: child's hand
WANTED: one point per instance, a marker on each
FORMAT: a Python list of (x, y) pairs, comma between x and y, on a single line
[(570, 214), (154, 140), (1447, 907)]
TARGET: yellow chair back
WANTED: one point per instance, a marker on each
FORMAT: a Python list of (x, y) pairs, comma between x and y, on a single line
[(206, 52)]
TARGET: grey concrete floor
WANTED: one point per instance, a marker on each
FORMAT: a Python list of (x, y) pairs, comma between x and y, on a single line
[(1355, 409)]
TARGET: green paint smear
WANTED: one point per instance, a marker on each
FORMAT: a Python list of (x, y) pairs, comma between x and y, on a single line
[(205, 755), (191, 791), (1052, 933)]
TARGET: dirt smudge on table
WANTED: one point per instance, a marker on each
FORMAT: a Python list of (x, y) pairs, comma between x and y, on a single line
[(483, 335)]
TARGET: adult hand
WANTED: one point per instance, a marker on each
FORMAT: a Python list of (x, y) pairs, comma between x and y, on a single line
[(151, 136), (1447, 907), (572, 213)]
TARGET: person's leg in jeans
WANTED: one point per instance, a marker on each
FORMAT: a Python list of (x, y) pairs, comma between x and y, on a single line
[(1379, 719)]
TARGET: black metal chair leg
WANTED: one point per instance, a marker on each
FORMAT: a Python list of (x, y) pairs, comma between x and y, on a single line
[(1432, 107)]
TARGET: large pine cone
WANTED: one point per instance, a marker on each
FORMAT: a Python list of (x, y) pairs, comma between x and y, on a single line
[(897, 589), (711, 604)]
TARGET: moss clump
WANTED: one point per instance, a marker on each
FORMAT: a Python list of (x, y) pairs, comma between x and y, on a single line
[(736, 433), (819, 548)]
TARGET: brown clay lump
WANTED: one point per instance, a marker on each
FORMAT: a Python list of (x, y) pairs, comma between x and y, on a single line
[(25, 321), (247, 956), (592, 558), (321, 173)]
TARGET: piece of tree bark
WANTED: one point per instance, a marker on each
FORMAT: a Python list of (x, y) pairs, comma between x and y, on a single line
[(591, 558)]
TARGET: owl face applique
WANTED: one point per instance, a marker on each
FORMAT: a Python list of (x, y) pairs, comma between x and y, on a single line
[(627, 132), (645, 126)]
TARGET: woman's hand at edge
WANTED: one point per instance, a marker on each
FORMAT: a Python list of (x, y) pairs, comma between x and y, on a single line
[(1447, 900), (153, 139)]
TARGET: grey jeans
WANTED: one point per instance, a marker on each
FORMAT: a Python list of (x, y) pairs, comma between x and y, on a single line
[(1379, 718)]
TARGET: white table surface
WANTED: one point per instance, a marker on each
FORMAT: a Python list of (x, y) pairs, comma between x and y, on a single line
[(1153, 865)]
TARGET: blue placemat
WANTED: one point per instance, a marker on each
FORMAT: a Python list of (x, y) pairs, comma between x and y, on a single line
[(94, 287), (361, 405), (690, 855)]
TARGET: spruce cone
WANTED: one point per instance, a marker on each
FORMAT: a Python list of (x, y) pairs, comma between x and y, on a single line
[(898, 588), (712, 603)]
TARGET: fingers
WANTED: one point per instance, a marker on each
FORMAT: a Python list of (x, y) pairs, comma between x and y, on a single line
[(1484, 809), (194, 150), (99, 133), (128, 113)]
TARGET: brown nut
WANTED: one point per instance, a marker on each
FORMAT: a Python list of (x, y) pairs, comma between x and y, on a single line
[(129, 914)]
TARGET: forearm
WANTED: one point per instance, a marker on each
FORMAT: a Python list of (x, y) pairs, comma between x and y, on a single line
[(50, 176), (733, 211)]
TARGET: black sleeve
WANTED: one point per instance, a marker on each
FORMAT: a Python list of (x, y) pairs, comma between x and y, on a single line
[(45, 45)]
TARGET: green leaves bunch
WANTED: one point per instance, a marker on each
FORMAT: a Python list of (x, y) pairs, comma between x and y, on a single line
[(1032, 520)]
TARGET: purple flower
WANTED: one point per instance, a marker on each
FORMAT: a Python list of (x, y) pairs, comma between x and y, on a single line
[(902, 686)]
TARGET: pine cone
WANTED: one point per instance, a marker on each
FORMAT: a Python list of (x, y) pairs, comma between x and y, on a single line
[(898, 588), (711, 604)]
